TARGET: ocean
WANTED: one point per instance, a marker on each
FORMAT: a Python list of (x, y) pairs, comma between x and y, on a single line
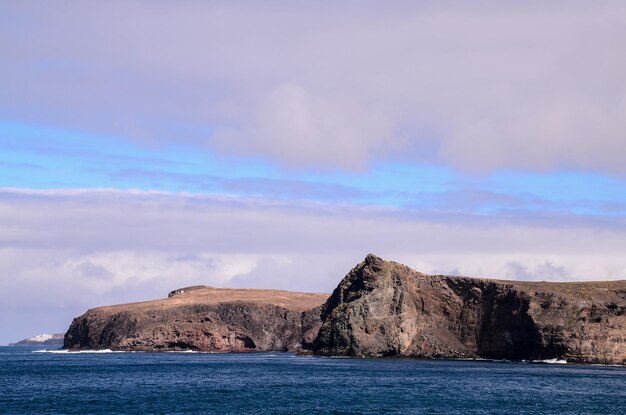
[(36, 382)]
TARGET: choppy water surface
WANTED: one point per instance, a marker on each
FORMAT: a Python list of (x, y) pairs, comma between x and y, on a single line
[(138, 383)]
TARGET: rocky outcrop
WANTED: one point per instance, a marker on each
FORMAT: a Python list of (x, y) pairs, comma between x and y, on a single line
[(41, 340), (382, 308), (204, 319)]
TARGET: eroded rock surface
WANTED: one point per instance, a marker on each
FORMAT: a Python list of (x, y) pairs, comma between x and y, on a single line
[(204, 319), (382, 308)]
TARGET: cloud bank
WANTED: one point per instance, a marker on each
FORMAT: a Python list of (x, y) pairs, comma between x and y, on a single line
[(478, 86), (62, 251)]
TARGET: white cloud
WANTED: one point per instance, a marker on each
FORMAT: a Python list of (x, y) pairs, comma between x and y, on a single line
[(102, 272), (62, 251), (477, 86), (302, 129)]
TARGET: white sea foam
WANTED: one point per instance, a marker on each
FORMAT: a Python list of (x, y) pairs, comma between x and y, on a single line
[(554, 361), (607, 365), (65, 351)]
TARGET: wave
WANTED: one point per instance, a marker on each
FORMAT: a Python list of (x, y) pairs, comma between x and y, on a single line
[(608, 365), (554, 361), (65, 351)]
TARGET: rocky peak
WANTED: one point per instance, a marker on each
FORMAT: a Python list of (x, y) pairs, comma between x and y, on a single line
[(382, 308), (373, 261)]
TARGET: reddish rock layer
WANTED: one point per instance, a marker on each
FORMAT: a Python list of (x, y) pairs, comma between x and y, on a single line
[(203, 319), (382, 308)]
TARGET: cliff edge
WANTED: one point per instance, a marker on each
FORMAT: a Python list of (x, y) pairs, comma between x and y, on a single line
[(382, 308), (203, 319)]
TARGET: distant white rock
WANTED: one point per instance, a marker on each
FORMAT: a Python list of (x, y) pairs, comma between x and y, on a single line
[(41, 338), (47, 339)]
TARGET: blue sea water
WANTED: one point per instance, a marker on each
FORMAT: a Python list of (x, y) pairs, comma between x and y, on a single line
[(32, 382)]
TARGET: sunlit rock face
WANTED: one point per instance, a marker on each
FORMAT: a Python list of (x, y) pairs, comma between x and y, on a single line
[(203, 319), (382, 308)]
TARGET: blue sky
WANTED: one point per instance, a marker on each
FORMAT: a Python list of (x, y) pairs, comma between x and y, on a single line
[(149, 146), (38, 157)]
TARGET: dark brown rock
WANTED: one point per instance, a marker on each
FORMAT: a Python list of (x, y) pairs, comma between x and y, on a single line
[(382, 308), (204, 319)]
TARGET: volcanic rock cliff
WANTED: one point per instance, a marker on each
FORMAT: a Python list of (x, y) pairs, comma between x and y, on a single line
[(380, 308), (204, 319)]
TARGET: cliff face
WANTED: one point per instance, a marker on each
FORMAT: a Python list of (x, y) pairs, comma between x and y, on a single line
[(380, 308), (203, 319), (383, 308)]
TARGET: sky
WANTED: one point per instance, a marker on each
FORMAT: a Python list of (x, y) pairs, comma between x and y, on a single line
[(148, 146)]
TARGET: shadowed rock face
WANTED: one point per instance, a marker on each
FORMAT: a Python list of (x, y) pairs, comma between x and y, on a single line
[(203, 319), (383, 308), (380, 308)]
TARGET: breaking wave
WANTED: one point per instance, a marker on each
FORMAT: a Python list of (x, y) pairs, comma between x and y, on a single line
[(65, 351), (554, 361)]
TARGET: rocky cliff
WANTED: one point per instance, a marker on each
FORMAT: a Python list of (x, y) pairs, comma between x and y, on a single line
[(204, 319), (380, 308)]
